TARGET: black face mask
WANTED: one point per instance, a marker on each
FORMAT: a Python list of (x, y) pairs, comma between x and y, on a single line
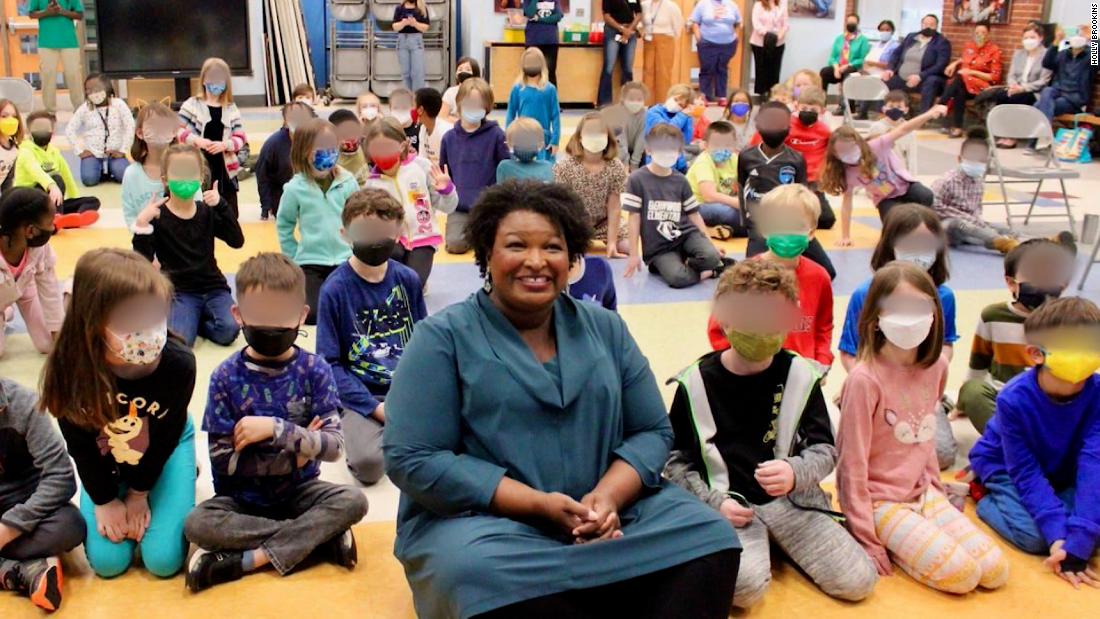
[(1031, 296), (462, 76), (928, 32), (806, 117), (374, 254), (851, 27), (42, 237), (42, 138), (774, 138), (270, 341), (895, 113)]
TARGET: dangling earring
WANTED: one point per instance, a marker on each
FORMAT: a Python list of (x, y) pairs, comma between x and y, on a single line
[(488, 285)]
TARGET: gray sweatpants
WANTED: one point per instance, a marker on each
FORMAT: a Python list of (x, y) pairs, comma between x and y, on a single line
[(363, 446), (680, 267), (288, 533), (816, 543), (962, 232)]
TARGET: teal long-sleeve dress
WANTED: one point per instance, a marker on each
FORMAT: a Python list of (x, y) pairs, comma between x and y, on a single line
[(542, 105), (470, 404)]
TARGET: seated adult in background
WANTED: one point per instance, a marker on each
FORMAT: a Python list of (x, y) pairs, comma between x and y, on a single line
[(541, 432), (919, 64), (1026, 75), (1073, 72), (978, 69), (880, 56), (849, 50)]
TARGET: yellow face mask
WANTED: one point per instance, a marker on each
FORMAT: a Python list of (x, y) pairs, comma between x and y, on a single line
[(756, 347), (1072, 366), (8, 126)]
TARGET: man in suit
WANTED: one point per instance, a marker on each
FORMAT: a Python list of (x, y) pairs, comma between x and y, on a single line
[(919, 64)]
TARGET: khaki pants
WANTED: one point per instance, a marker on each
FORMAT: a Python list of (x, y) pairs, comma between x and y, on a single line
[(658, 57), (70, 62)]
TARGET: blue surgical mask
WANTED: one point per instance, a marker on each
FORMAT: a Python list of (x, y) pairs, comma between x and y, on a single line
[(721, 156), (215, 88), (525, 156), (473, 116), (324, 159), (740, 109), (973, 169)]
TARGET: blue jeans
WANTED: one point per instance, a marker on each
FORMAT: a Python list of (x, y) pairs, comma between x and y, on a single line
[(714, 68), (91, 170), (715, 214), (171, 498), (207, 314), (612, 51), (1003, 510), (410, 53), (1051, 103)]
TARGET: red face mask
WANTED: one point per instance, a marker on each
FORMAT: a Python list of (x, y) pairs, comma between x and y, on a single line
[(349, 146), (387, 162)]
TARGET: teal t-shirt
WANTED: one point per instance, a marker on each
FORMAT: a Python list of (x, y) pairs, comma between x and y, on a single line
[(56, 31), (513, 169)]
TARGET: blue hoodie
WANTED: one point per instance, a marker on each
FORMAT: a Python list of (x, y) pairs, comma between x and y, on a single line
[(472, 159)]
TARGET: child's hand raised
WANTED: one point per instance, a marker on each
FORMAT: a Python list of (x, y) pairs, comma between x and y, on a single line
[(252, 429), (151, 211), (441, 178), (937, 111), (212, 197)]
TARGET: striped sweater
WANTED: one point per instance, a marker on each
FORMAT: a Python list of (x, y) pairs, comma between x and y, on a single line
[(195, 113), (999, 351)]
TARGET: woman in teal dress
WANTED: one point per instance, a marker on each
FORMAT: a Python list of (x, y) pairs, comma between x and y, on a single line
[(527, 435)]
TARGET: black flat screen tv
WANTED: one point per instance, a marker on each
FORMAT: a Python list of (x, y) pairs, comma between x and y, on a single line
[(158, 38)]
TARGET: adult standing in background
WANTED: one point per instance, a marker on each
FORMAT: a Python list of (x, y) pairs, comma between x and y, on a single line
[(542, 31), (716, 26), (920, 63), (663, 24), (620, 39), (57, 42), (768, 40), (849, 50), (978, 69), (1026, 75)]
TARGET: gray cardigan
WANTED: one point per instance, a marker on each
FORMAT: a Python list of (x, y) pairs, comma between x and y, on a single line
[(36, 476), (1037, 77)]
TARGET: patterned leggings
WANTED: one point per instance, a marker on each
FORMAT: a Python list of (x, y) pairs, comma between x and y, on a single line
[(938, 546)]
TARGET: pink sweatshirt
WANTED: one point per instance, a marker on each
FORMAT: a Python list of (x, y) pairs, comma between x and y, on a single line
[(886, 440), (40, 301), (765, 21)]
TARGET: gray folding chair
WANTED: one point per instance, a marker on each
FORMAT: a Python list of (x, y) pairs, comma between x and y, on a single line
[(861, 88), (19, 91), (1024, 122)]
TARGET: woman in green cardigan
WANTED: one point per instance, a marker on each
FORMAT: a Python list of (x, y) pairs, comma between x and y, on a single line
[(847, 56)]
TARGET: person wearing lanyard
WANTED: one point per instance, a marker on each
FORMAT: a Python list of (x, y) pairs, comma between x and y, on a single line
[(101, 132), (715, 24), (620, 38), (768, 40), (664, 21)]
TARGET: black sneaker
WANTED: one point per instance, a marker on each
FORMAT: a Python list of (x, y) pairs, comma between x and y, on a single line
[(727, 262), (341, 550), (1065, 239), (43, 578), (264, 216), (207, 569)]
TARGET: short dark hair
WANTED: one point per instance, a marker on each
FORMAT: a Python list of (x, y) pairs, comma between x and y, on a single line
[(293, 104), (901, 220), (855, 15), (475, 66), (20, 206), (270, 271), (897, 96), (108, 87), (721, 127), (773, 105), (33, 116), (431, 100), (975, 136), (372, 201), (887, 22), (1065, 312), (933, 16), (1017, 254), (342, 116), (556, 202)]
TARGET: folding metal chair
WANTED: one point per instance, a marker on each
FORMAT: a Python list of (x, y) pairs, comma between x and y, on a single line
[(861, 88), (1024, 122), (19, 91)]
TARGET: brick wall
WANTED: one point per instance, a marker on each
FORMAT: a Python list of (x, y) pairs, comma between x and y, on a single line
[(1007, 36)]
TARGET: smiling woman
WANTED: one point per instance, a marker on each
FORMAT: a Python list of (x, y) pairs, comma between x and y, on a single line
[(530, 465)]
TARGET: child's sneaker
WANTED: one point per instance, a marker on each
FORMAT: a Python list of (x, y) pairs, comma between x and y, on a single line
[(207, 569), (82, 219), (1065, 239), (1005, 244), (38, 579), (341, 550)]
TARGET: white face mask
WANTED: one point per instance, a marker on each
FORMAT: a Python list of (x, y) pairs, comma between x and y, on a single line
[(594, 143), (849, 157), (1030, 44), (97, 97), (906, 331), (634, 106), (141, 347), (924, 260), (369, 113), (665, 158), (1078, 42), (673, 106), (403, 116), (885, 35)]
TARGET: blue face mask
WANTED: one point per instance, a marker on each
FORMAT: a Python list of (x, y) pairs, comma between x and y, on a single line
[(473, 116), (215, 88), (525, 156), (740, 109), (324, 159), (721, 156), (973, 169)]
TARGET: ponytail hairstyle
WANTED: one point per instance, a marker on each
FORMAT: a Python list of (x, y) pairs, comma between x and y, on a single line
[(77, 386)]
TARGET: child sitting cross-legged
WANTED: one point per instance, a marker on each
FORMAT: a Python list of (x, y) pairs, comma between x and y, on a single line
[(664, 216), (1039, 460), (1036, 271), (713, 178), (368, 307), (753, 440), (272, 414)]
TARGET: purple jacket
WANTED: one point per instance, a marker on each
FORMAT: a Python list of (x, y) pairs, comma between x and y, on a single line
[(472, 159)]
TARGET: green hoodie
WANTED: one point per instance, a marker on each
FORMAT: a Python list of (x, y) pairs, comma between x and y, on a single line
[(317, 216)]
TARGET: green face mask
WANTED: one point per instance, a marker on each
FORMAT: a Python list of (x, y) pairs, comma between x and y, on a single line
[(788, 246), (184, 190), (756, 347)]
